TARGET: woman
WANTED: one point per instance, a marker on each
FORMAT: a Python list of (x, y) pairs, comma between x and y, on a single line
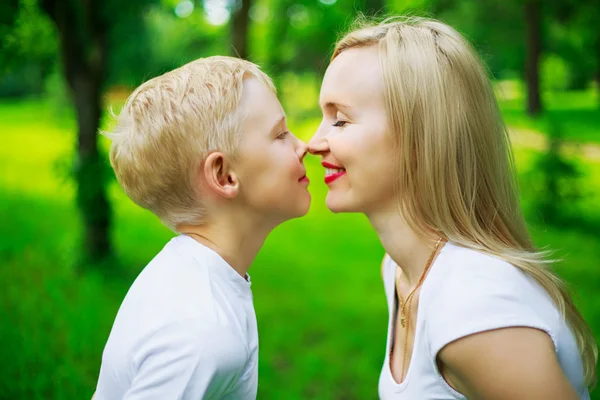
[(412, 137)]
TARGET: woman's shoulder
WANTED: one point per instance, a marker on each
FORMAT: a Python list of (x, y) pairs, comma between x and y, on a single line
[(464, 265), (476, 292), (475, 284), (475, 287)]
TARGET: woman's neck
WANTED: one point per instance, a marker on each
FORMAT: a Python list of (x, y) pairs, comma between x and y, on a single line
[(409, 250)]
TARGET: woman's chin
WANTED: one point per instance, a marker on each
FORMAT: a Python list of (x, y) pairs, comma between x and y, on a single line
[(337, 204)]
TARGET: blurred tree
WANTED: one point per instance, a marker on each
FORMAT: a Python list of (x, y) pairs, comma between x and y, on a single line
[(557, 182), (85, 33), (27, 48), (533, 42), (9, 11), (577, 40), (372, 7), (277, 36), (495, 27), (240, 20), (173, 39), (83, 30)]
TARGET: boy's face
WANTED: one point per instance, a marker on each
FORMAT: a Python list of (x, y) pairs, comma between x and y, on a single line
[(273, 181)]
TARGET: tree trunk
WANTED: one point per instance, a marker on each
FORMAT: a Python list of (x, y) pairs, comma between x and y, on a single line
[(82, 36), (91, 192), (597, 75), (240, 21), (534, 49), (278, 35)]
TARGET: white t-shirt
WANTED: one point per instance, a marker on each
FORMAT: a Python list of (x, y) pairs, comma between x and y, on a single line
[(466, 292), (186, 330)]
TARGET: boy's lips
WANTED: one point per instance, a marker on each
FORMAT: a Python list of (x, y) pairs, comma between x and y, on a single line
[(332, 172), (304, 178)]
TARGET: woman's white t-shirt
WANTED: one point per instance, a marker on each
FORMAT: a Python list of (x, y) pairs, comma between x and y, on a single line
[(466, 292)]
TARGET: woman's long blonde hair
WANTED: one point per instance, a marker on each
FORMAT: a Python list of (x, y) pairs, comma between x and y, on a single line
[(458, 175)]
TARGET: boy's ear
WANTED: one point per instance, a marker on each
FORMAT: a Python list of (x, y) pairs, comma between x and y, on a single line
[(219, 177)]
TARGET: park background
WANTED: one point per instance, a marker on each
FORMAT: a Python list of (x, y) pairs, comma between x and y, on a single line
[(71, 243)]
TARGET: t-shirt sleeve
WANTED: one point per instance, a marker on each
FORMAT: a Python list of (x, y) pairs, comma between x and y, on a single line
[(484, 298), (183, 361)]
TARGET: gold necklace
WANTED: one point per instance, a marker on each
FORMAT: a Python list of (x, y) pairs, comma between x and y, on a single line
[(403, 304), (404, 321)]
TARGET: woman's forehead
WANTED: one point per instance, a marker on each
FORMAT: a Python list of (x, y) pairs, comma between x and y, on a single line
[(353, 75)]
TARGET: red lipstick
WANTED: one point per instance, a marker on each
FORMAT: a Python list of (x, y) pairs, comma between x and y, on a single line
[(333, 172)]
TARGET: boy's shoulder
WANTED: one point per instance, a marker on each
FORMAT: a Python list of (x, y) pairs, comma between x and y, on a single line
[(175, 286)]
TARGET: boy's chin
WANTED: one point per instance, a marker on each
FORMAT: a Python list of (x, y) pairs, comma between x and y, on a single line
[(303, 207), (300, 209)]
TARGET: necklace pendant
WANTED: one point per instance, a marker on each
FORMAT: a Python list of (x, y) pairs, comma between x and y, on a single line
[(403, 321)]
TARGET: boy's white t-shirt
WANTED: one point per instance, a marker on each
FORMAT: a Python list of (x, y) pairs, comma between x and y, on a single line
[(466, 292), (186, 330)]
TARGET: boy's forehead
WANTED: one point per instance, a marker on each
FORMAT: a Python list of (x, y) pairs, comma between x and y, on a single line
[(259, 101)]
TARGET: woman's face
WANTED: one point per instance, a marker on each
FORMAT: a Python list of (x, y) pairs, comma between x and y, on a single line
[(354, 141)]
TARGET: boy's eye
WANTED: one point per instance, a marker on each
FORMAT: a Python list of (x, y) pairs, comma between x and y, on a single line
[(340, 123)]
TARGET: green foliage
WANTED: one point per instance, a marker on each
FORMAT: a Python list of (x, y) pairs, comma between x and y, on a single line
[(295, 36), (557, 182), (176, 41), (555, 73), (572, 33), (28, 48)]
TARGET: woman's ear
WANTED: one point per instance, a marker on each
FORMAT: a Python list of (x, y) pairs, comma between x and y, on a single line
[(219, 177)]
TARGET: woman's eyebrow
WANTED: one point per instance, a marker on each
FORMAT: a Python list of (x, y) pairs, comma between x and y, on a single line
[(333, 104)]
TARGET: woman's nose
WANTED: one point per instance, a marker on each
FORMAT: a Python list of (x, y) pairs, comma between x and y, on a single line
[(318, 144)]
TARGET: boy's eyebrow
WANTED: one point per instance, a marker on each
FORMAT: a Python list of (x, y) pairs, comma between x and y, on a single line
[(279, 122)]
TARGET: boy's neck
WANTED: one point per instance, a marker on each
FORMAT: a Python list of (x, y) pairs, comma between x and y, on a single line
[(237, 242)]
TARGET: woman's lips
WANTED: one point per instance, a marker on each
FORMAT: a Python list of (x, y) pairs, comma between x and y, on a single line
[(332, 172), (332, 177)]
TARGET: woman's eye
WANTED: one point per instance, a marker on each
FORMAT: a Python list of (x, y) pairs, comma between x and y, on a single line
[(340, 123), (282, 135)]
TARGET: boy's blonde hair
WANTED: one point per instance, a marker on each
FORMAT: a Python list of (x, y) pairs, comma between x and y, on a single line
[(455, 164), (168, 127)]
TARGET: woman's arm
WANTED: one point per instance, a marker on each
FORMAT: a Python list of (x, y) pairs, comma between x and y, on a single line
[(505, 364)]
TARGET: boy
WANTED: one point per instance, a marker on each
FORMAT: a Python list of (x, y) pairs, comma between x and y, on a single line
[(206, 148)]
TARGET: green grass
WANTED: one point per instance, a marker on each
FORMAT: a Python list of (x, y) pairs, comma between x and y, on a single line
[(578, 112), (317, 287)]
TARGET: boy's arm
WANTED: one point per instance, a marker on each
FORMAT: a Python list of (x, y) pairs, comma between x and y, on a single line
[(183, 360)]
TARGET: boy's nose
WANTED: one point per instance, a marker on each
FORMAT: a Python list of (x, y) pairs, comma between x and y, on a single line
[(301, 148)]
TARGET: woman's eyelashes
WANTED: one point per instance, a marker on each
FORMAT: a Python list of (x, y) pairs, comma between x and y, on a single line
[(340, 123), (282, 135)]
